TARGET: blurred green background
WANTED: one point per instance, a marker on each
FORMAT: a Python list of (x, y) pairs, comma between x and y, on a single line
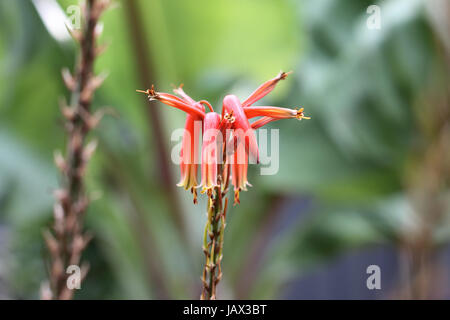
[(366, 181)]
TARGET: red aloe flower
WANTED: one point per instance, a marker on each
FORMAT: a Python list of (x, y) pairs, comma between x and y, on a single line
[(235, 115)]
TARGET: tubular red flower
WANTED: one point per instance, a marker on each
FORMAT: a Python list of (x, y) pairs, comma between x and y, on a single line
[(190, 146), (239, 171), (243, 131), (274, 112), (264, 89), (189, 155), (210, 151), (173, 101)]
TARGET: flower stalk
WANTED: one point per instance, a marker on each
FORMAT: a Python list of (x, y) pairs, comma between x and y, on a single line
[(214, 235), (67, 240)]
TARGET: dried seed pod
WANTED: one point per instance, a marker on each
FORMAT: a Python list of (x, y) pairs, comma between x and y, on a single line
[(68, 79), (60, 162), (89, 149), (74, 33)]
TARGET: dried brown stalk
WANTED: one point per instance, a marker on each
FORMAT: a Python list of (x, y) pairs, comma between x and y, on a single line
[(427, 188), (67, 240)]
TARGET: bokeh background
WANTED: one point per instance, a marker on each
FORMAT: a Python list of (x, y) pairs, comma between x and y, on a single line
[(365, 182)]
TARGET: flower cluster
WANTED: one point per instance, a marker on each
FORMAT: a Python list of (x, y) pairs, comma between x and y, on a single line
[(228, 139)]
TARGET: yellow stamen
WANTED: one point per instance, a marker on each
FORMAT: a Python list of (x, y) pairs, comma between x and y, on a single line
[(150, 92), (236, 197), (283, 75), (300, 115), (229, 117)]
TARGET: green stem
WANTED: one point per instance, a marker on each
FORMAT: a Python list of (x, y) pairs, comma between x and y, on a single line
[(213, 240)]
